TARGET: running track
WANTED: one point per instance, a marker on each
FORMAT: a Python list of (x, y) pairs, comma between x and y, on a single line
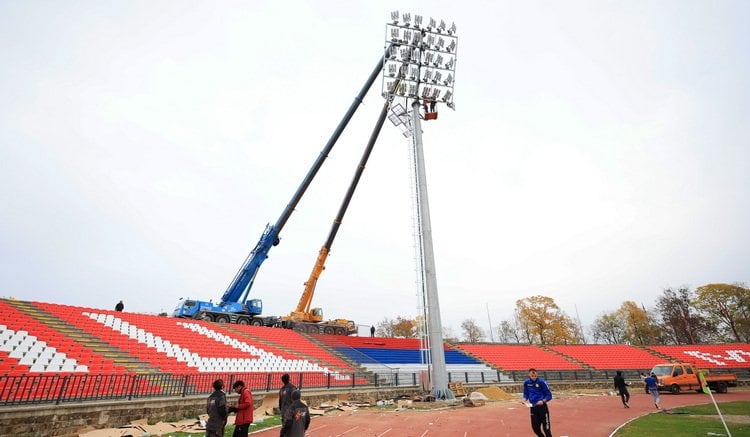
[(578, 416)]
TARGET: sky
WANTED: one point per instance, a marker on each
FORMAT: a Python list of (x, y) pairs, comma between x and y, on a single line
[(599, 152)]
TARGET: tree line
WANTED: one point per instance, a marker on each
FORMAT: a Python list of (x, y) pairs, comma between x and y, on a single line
[(712, 313)]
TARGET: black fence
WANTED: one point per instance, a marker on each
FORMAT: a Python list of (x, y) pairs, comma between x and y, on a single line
[(70, 388)]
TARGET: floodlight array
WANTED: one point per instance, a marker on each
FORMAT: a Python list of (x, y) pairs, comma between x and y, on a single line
[(420, 62)]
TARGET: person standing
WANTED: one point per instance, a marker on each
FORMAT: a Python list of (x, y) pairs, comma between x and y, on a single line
[(216, 408), (244, 410), (285, 398), (652, 385), (297, 417), (622, 388), (536, 393), (372, 331), (120, 306)]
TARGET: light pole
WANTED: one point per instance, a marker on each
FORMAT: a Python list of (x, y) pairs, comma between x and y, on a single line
[(419, 71)]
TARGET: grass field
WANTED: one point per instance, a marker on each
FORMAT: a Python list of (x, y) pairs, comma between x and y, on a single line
[(693, 421)]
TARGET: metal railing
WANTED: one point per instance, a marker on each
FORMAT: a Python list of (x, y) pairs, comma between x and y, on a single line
[(71, 388)]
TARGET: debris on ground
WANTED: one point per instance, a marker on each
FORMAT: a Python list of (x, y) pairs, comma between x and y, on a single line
[(475, 399)]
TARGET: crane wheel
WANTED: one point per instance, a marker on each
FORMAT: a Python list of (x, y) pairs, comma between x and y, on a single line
[(243, 321), (256, 322), (340, 331), (312, 329), (222, 319), (328, 330)]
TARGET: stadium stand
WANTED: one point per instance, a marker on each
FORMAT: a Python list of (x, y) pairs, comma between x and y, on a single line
[(51, 352), (518, 357), (609, 356), (736, 355), (404, 355)]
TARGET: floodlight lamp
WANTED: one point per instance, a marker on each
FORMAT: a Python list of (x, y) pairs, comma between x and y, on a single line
[(413, 72), (447, 96), (428, 58), (407, 36), (417, 20), (392, 69), (448, 80), (405, 53), (442, 26), (452, 30), (436, 78), (452, 46), (438, 60), (401, 88), (417, 39), (413, 90), (394, 17), (407, 18), (402, 71), (449, 64), (427, 75), (435, 94), (441, 43), (432, 25), (426, 91), (415, 56), (430, 40), (395, 34)]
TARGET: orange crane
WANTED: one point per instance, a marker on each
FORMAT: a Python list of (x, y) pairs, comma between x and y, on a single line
[(310, 320)]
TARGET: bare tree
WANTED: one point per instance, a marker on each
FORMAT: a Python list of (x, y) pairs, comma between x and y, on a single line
[(679, 319), (508, 332), (472, 332)]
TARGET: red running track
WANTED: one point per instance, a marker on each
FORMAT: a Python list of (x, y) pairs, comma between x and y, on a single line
[(575, 416)]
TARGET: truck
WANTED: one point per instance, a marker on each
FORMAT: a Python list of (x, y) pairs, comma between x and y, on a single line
[(676, 377), (310, 320), (235, 305)]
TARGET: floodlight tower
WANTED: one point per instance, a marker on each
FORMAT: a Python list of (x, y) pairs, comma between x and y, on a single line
[(419, 71)]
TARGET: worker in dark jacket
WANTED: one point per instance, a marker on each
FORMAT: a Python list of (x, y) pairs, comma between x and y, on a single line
[(622, 388), (536, 393), (216, 408), (285, 398), (297, 418)]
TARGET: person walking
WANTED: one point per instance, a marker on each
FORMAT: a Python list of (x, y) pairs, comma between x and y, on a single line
[(652, 385), (243, 408), (120, 306), (536, 394), (216, 408), (297, 417), (622, 388), (285, 399)]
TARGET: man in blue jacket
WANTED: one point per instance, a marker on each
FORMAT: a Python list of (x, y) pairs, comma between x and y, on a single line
[(536, 394)]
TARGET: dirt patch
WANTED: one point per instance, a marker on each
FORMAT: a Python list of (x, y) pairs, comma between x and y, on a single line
[(495, 393)]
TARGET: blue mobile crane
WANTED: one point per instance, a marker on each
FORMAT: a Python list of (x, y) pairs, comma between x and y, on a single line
[(235, 307)]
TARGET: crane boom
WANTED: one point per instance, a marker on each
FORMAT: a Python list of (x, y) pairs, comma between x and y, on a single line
[(303, 313), (239, 288)]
